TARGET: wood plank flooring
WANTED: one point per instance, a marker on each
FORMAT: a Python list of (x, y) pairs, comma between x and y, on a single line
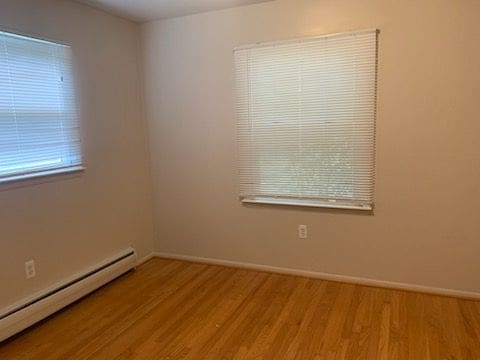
[(177, 310)]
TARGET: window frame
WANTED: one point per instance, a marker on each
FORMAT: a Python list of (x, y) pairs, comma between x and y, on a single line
[(307, 201), (35, 177)]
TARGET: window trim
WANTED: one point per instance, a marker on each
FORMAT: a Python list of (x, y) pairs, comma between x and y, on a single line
[(26, 180), (304, 39), (35, 177), (314, 202), (6, 181), (35, 36)]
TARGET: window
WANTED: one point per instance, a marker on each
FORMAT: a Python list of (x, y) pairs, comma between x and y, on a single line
[(39, 132), (306, 120)]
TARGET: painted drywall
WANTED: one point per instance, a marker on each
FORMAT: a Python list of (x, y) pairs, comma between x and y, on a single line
[(425, 229), (71, 223)]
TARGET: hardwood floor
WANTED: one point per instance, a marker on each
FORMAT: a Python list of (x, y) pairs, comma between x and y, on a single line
[(177, 310)]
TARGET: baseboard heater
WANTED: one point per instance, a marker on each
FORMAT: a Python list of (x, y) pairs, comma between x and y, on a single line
[(29, 311)]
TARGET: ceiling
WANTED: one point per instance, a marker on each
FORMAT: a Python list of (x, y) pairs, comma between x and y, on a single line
[(147, 10)]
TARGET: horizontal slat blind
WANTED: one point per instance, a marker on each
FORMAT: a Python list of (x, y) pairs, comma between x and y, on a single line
[(306, 120), (39, 128)]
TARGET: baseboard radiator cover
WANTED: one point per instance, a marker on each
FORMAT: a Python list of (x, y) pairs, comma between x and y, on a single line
[(29, 311)]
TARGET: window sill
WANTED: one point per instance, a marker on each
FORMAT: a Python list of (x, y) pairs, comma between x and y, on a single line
[(308, 203), (22, 180)]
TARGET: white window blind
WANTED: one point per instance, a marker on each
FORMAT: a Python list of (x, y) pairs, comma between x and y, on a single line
[(306, 120), (39, 130)]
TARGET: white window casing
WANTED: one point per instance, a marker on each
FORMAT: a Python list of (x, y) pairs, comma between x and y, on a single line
[(39, 126), (306, 112)]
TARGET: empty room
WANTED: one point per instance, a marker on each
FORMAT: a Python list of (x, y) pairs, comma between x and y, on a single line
[(239, 179)]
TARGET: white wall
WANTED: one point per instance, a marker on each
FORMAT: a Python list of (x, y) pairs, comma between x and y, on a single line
[(426, 226), (72, 223)]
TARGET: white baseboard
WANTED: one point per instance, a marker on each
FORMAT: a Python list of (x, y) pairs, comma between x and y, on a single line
[(145, 259), (325, 276)]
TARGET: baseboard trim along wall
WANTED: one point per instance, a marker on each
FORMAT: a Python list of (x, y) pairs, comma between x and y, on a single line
[(325, 276), (145, 259)]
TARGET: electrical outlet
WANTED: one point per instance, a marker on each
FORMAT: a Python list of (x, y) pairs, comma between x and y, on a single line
[(302, 231), (30, 269)]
